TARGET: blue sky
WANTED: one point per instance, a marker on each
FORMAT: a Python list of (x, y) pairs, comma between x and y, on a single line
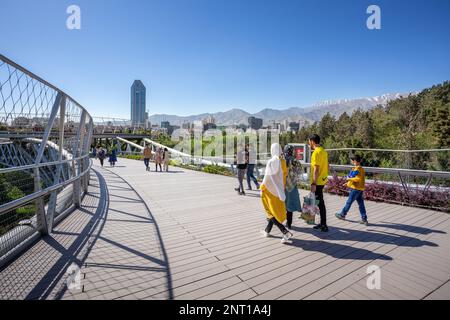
[(198, 56)]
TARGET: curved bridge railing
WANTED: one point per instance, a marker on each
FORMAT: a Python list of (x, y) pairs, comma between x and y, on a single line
[(43, 178)]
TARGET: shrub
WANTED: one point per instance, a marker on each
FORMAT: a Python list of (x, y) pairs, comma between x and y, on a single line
[(215, 169), (132, 156), (14, 193)]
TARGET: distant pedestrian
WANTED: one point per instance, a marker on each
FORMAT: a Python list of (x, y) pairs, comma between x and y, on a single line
[(356, 184), (158, 159), (294, 172), (241, 169), (166, 159), (113, 157), (147, 156), (101, 155), (319, 177), (94, 152), (251, 161), (273, 195)]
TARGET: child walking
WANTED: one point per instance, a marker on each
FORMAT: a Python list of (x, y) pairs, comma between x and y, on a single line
[(356, 183)]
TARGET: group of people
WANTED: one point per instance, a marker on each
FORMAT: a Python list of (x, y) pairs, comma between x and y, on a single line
[(161, 157), (279, 192), (100, 154)]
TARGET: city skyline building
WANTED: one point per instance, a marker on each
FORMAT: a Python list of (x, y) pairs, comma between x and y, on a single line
[(138, 103), (255, 123)]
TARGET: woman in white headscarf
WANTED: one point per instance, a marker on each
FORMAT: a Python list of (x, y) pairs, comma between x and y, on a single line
[(272, 193)]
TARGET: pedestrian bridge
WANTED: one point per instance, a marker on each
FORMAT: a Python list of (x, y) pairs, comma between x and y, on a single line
[(188, 235), (70, 229)]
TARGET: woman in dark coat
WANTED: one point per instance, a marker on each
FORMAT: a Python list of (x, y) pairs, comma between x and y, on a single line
[(101, 154), (113, 157)]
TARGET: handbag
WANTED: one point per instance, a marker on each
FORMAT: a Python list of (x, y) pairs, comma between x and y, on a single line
[(310, 208)]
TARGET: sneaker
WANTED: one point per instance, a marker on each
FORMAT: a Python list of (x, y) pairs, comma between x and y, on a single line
[(317, 226), (324, 229), (264, 233), (365, 222), (237, 189), (288, 227), (286, 237), (340, 216)]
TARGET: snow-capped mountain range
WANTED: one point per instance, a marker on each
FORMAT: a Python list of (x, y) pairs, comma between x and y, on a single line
[(305, 115)]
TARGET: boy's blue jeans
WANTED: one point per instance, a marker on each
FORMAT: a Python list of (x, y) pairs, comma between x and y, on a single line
[(358, 196)]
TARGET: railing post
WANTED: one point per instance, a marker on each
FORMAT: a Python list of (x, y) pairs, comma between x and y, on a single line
[(39, 203), (77, 183), (41, 218), (54, 195), (86, 152)]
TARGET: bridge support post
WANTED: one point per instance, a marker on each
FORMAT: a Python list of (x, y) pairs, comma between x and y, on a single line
[(78, 163), (41, 218), (54, 195), (87, 145)]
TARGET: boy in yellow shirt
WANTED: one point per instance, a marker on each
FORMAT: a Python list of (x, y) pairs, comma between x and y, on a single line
[(356, 183)]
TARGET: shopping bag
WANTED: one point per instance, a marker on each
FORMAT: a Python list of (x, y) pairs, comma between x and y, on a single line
[(310, 208)]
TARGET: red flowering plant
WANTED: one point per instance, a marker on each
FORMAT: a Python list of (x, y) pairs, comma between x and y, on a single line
[(436, 198)]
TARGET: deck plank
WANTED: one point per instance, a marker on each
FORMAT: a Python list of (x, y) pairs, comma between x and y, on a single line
[(188, 235)]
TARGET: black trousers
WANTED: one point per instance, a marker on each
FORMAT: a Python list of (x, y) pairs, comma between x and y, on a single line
[(146, 162), (272, 222), (323, 210), (289, 215)]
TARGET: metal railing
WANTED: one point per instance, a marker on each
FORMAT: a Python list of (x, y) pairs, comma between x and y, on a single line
[(105, 125), (424, 159), (42, 179), (411, 180), (185, 158)]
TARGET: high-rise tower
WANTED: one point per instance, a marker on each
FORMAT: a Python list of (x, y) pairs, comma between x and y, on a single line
[(138, 93)]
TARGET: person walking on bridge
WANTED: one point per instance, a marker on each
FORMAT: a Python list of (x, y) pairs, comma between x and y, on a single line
[(113, 157), (147, 156), (101, 155), (166, 159), (241, 169), (251, 161), (294, 171), (356, 184), (158, 159), (273, 194), (319, 177)]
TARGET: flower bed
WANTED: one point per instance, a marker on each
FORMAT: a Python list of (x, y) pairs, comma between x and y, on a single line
[(394, 193)]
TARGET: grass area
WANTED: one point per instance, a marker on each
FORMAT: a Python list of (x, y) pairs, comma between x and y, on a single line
[(131, 156), (215, 169)]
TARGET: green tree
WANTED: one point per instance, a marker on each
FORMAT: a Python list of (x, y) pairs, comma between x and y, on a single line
[(363, 129), (327, 126)]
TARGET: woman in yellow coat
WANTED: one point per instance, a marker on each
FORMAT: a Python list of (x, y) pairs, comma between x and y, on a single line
[(272, 193)]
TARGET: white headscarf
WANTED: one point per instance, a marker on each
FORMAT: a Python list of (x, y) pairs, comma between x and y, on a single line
[(273, 177)]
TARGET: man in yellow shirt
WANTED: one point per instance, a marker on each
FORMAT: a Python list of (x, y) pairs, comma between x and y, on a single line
[(356, 184), (319, 177)]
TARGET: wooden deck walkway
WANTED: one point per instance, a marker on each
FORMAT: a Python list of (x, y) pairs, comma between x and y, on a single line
[(188, 235)]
